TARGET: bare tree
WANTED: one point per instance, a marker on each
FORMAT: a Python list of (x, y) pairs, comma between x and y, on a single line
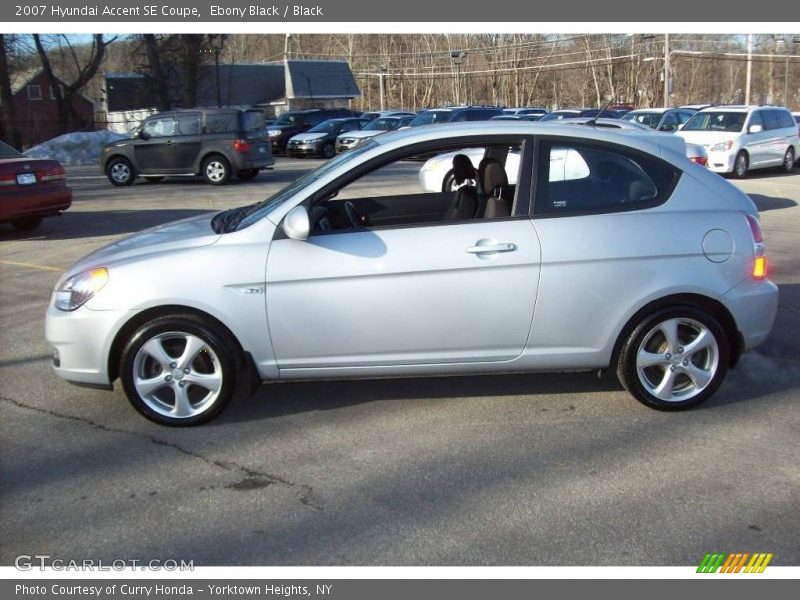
[(65, 92), (10, 130)]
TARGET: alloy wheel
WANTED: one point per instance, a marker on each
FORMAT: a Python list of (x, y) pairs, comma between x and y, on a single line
[(177, 374), (677, 359)]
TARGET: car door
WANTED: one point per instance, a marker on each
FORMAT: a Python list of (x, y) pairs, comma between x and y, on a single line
[(404, 297), (756, 143), (154, 152), (188, 141), (599, 243)]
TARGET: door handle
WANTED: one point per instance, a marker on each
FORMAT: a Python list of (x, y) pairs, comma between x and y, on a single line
[(487, 248)]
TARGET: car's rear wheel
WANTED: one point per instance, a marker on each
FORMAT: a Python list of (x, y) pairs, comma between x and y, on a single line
[(120, 172), (27, 223), (674, 359), (216, 170), (328, 150), (154, 179), (741, 165), (247, 174), (788, 160), (179, 370)]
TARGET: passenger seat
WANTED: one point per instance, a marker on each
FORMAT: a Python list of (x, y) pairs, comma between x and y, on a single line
[(494, 183)]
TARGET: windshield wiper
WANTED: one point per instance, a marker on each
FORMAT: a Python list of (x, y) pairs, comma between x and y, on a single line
[(227, 220)]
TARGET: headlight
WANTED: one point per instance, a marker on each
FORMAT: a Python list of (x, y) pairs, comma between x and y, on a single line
[(78, 289), (274, 133), (722, 146)]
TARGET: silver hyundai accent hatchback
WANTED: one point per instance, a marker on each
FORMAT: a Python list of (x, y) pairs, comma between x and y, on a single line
[(609, 250)]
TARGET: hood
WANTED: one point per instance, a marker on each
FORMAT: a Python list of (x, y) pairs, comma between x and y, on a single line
[(309, 137), (283, 127), (708, 138), (178, 235), (361, 134)]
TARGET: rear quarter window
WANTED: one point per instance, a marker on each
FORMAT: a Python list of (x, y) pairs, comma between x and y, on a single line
[(252, 120), (584, 178), (221, 123), (784, 118)]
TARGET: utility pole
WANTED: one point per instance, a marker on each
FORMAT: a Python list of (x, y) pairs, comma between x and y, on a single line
[(749, 68), (667, 99), (458, 58), (382, 87)]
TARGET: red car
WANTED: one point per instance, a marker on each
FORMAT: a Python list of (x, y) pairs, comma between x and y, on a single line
[(30, 188)]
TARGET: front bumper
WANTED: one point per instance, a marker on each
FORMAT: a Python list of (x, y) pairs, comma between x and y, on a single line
[(303, 149), (82, 340), (721, 162)]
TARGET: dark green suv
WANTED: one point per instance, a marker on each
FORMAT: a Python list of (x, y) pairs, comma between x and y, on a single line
[(212, 142)]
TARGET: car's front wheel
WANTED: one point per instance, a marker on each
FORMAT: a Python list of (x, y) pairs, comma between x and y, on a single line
[(788, 160), (328, 150), (120, 172), (741, 165), (674, 359), (179, 370), (216, 170)]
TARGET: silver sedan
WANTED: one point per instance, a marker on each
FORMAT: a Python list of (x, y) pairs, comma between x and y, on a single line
[(608, 250)]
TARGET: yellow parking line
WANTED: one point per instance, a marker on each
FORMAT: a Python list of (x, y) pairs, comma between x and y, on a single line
[(31, 266)]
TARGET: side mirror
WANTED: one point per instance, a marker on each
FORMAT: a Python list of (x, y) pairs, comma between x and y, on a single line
[(296, 224), (681, 126), (755, 128), (143, 135)]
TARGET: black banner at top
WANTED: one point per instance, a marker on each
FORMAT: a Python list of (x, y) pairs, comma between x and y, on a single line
[(365, 11)]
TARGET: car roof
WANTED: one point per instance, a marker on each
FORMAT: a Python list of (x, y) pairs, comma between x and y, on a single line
[(651, 110), (604, 123), (647, 141)]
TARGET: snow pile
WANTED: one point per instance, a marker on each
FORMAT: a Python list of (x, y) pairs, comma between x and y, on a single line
[(78, 148)]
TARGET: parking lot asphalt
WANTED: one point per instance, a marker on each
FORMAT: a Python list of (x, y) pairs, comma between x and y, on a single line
[(539, 469)]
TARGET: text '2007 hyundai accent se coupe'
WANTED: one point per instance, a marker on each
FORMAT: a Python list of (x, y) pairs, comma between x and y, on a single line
[(608, 250)]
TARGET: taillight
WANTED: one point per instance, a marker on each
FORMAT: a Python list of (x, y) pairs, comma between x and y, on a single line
[(241, 146), (56, 173), (700, 160), (759, 270), (8, 180)]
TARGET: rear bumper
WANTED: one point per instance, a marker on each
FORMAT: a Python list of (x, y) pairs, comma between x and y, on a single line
[(753, 305), (256, 163), (36, 201)]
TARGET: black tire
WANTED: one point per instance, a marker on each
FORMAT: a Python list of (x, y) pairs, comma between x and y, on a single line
[(218, 359), (247, 174), (448, 181), (120, 172), (328, 150), (216, 170), (788, 160), (152, 179), (674, 364), (27, 223), (741, 165)]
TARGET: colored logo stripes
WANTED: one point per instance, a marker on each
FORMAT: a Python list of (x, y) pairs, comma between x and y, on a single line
[(735, 562)]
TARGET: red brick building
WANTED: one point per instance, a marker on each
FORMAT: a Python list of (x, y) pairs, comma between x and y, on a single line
[(37, 109)]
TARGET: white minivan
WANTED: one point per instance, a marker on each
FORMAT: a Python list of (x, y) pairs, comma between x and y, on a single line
[(740, 138)]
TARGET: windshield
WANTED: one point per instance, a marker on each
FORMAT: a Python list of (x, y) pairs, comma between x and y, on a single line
[(556, 115), (326, 126), (290, 119), (716, 121), (651, 119), (383, 125), (256, 212), (431, 117), (7, 151)]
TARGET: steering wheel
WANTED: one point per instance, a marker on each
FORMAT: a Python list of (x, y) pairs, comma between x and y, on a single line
[(352, 215)]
